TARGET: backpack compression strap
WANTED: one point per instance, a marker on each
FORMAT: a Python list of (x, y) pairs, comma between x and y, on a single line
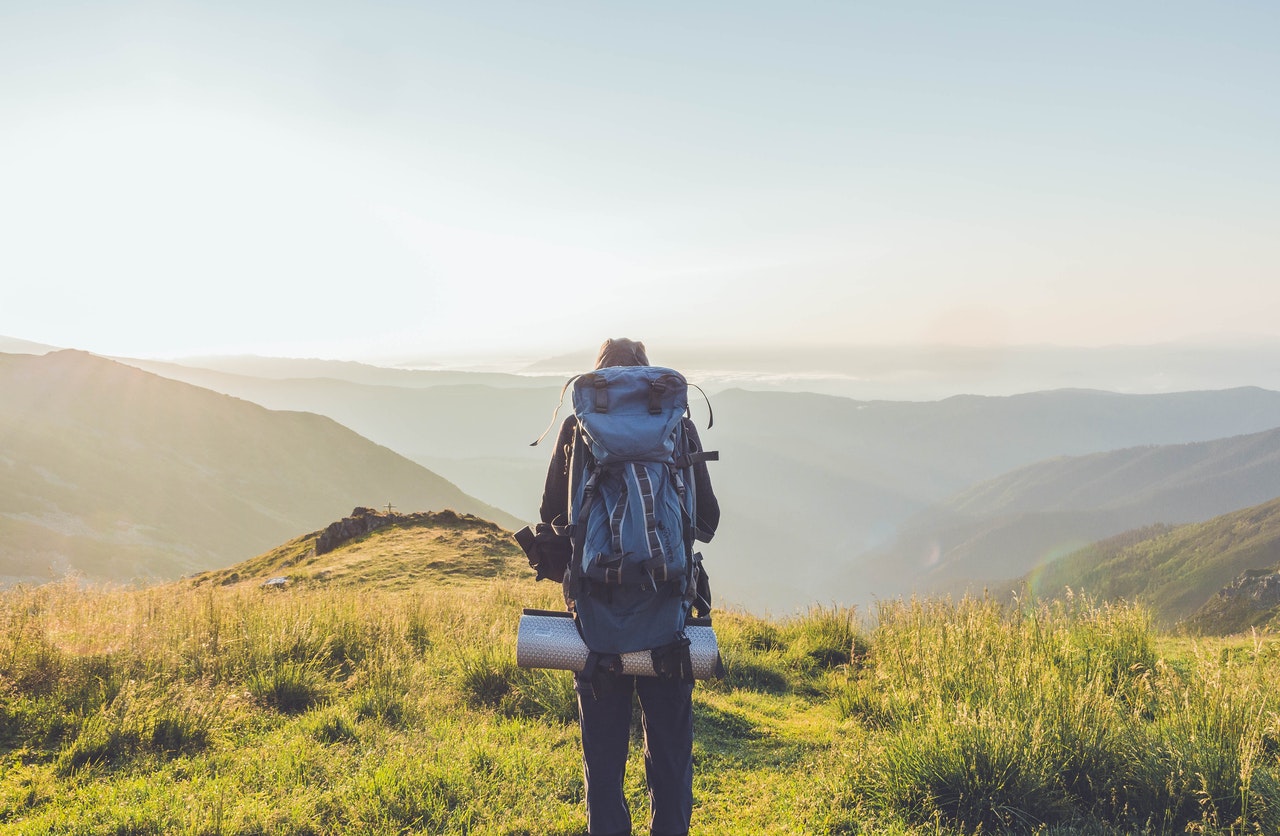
[(605, 569), (608, 569), (657, 560), (690, 459)]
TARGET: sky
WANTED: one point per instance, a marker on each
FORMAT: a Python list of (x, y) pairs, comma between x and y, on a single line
[(382, 180)]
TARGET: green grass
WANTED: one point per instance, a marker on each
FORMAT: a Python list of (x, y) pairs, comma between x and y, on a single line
[(398, 708)]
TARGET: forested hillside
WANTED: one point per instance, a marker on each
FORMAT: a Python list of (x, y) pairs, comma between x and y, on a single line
[(1178, 571)]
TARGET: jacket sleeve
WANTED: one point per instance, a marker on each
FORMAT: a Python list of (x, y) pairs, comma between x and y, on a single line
[(708, 507), (555, 495)]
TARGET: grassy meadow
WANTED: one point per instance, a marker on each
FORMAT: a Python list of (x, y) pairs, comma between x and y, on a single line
[(385, 707)]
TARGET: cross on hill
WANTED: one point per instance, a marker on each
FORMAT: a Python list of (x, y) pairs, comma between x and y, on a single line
[(389, 507)]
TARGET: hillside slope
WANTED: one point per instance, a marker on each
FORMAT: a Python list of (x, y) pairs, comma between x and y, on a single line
[(812, 483), (473, 428), (1005, 527), (120, 474), (1178, 570)]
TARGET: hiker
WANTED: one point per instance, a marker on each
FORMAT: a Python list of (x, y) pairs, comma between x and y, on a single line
[(605, 696)]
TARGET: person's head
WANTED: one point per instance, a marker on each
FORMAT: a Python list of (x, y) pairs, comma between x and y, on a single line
[(621, 352)]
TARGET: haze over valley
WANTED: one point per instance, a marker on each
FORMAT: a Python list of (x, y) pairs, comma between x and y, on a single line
[(134, 469)]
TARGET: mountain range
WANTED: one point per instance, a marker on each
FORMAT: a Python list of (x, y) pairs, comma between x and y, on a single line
[(826, 499), (813, 486), (811, 482), (119, 474)]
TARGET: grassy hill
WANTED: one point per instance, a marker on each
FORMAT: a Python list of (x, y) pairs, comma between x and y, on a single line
[(381, 697), (385, 550), (118, 474), (1175, 571)]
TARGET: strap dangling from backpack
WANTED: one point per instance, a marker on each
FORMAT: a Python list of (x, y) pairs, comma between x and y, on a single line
[(601, 671), (673, 661), (560, 403)]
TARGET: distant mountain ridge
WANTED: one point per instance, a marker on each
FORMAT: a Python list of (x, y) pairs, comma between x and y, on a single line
[(12, 345), (933, 372), (119, 474), (197, 369)]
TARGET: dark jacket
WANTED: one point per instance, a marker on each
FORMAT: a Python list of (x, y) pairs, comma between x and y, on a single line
[(555, 496)]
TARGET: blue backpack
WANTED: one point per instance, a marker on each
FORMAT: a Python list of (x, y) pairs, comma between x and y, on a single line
[(632, 576)]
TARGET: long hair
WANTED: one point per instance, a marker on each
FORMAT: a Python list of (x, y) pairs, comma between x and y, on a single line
[(621, 352)]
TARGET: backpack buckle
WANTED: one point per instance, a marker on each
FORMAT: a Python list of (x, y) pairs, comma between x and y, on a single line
[(601, 385), (656, 390)]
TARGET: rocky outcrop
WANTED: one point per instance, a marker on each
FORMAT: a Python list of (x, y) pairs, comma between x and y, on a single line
[(364, 520), (361, 522), (1251, 600), (1260, 587)]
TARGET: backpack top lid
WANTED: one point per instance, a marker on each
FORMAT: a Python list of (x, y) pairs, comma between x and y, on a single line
[(630, 413)]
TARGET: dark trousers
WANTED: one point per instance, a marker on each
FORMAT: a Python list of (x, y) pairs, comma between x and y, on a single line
[(666, 713)]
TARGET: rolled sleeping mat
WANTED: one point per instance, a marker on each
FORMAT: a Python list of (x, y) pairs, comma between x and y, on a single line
[(549, 639)]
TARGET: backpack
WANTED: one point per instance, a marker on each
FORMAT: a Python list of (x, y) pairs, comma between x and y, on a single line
[(632, 575)]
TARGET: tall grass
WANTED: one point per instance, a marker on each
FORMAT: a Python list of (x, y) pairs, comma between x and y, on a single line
[(1015, 718), (235, 711)]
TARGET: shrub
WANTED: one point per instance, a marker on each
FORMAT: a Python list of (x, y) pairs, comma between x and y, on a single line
[(484, 677), (542, 694), (381, 691), (290, 687), (100, 740), (179, 729), (331, 726), (824, 638)]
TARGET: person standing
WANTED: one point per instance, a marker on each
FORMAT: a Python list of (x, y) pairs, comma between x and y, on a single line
[(605, 699)]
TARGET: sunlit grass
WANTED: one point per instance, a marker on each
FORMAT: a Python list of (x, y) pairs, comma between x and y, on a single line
[(334, 708)]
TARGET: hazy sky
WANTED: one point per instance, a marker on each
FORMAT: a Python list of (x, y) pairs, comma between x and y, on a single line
[(416, 178)]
